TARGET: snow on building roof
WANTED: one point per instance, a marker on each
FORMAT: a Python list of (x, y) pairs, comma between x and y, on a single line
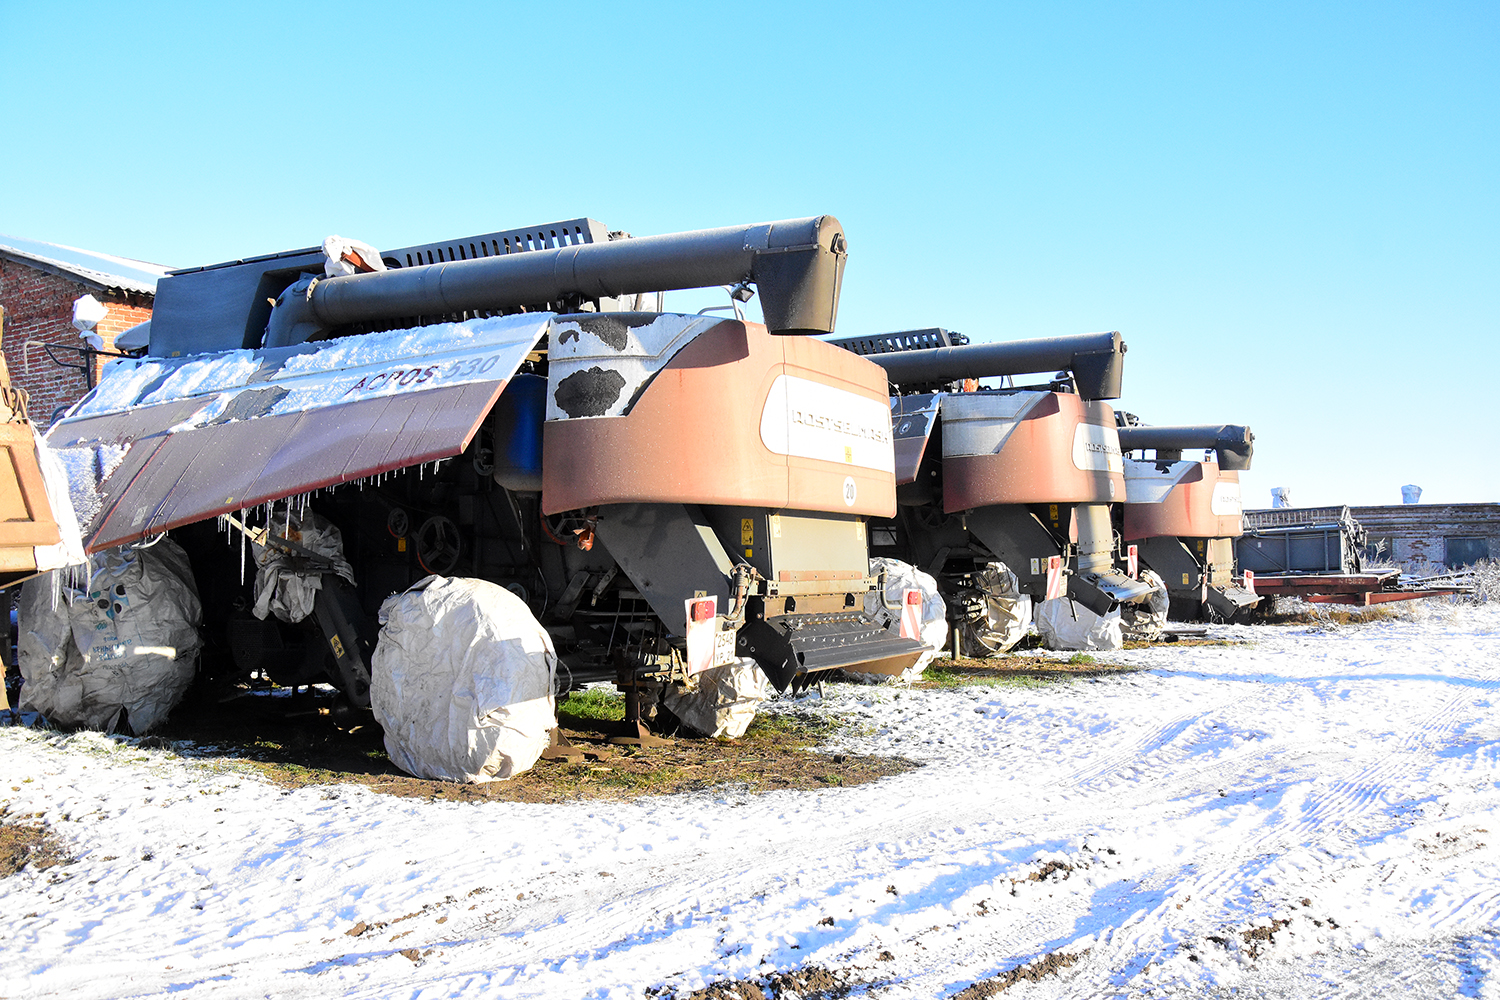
[(104, 270)]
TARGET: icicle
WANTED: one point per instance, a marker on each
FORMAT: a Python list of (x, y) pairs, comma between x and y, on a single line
[(242, 557)]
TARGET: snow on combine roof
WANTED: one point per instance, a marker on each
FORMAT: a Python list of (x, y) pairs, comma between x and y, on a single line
[(102, 269)]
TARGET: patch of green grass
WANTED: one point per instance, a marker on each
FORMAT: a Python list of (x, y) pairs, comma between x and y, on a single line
[(1081, 658), (789, 729), (943, 677), (593, 704)]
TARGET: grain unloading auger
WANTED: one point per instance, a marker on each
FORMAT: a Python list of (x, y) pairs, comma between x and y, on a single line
[(1183, 516), (634, 476), (1022, 475)]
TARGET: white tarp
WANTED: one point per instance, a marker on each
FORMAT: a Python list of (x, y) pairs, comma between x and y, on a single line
[(120, 655), (281, 588), (720, 701), (462, 681), (1005, 616), (899, 578), (1066, 624), (1145, 620)]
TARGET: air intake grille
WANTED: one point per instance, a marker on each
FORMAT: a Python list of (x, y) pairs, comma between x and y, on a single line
[(548, 237), (908, 340)]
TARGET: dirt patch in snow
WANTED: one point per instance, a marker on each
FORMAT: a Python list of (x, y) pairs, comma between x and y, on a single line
[(23, 841), (1017, 671), (1282, 611), (1032, 972), (811, 983), (294, 746)]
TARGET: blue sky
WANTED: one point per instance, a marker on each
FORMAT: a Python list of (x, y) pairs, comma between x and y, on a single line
[(1289, 210)]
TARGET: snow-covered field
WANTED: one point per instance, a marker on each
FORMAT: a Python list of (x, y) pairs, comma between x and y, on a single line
[(1344, 781)]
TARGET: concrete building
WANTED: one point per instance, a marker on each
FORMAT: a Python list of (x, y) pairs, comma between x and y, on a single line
[(39, 282)]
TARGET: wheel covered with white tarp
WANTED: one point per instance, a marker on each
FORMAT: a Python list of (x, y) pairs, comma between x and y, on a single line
[(1145, 620), (1000, 617), (933, 630), (1066, 624), (119, 655), (462, 681), (719, 701)]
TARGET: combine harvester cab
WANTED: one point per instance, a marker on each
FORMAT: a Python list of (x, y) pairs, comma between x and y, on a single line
[(1184, 516), (1025, 476), (665, 492)]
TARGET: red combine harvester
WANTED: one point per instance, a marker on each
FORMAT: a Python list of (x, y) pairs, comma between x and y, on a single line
[(506, 407), (1023, 475), (1183, 516)]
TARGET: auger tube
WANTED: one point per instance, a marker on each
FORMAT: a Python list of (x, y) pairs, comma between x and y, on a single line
[(1234, 442), (796, 265), (1096, 360)]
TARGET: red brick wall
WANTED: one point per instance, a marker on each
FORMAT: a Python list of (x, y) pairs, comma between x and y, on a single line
[(39, 307)]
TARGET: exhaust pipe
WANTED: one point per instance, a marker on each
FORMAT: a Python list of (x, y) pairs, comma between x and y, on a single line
[(797, 266)]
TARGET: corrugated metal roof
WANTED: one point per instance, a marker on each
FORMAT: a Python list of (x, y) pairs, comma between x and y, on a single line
[(102, 269)]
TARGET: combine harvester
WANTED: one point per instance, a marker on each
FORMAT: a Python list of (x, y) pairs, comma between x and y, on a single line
[(1183, 517), (664, 493), (1023, 476)]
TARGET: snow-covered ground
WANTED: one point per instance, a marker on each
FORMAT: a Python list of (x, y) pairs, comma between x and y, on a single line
[(1344, 781)]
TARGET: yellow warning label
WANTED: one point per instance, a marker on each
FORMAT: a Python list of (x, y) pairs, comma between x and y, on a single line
[(747, 531), (337, 646), (849, 454), (401, 544), (1052, 512), (1184, 579)]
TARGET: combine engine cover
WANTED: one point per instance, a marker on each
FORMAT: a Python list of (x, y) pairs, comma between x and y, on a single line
[(1184, 516), (667, 492), (1026, 476)]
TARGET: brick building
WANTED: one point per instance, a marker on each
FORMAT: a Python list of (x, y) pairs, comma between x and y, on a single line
[(39, 282), (1422, 535)]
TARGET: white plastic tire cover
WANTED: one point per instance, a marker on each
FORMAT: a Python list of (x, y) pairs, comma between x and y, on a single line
[(461, 681), (1007, 612), (899, 578), (1066, 624), (126, 647), (284, 591), (720, 701), (1146, 619)]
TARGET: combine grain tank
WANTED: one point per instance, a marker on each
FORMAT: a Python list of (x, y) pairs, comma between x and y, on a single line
[(1184, 516), (1022, 475), (502, 407)]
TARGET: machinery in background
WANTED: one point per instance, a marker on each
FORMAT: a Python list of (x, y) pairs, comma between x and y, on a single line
[(1024, 475), (37, 533), (1183, 516)]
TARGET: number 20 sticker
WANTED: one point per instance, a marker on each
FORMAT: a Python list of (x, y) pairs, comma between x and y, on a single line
[(850, 491)]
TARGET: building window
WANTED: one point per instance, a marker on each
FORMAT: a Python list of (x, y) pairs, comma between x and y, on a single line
[(1465, 550), (1380, 550)]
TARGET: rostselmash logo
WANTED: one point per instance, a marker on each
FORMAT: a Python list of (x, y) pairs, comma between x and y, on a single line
[(836, 425), (1100, 448)]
